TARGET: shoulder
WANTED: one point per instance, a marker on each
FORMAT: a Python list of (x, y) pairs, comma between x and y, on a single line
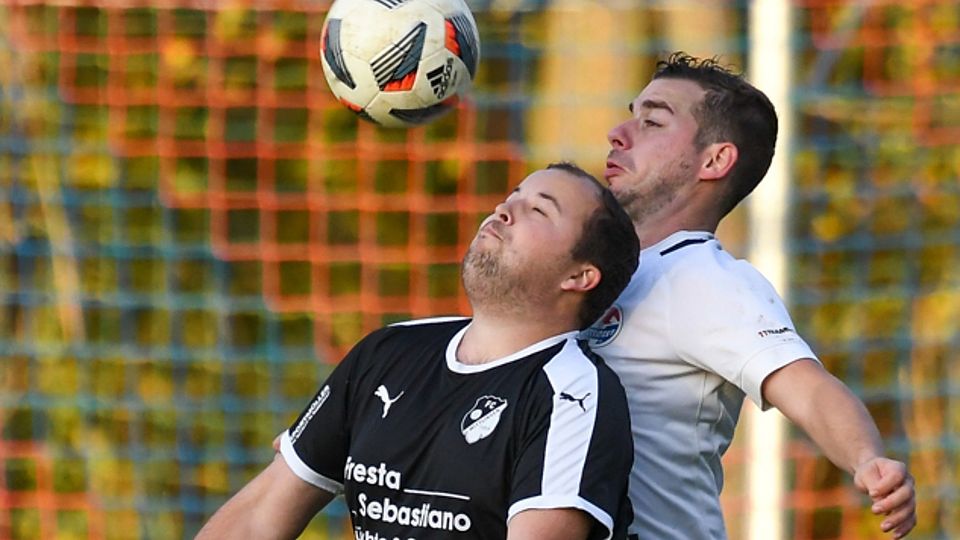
[(414, 335), (441, 328), (703, 272), (576, 367), (570, 361), (693, 258)]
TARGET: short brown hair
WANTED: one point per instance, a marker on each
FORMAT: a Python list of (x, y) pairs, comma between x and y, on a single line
[(609, 242), (732, 110)]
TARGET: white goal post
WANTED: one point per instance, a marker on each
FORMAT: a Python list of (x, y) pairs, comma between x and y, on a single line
[(770, 69)]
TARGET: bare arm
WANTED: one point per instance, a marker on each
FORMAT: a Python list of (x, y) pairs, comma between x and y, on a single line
[(275, 504), (840, 425), (552, 524)]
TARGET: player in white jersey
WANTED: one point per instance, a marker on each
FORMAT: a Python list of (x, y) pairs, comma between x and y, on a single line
[(501, 426), (696, 330)]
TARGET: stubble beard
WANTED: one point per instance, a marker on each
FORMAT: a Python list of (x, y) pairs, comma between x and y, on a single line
[(493, 287), (659, 190)]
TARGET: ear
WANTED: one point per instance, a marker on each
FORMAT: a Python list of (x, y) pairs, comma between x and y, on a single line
[(718, 160), (585, 278)]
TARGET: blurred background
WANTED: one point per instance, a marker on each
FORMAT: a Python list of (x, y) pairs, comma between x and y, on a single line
[(192, 231)]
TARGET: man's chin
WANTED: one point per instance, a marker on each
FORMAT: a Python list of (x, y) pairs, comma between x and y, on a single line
[(611, 174), (480, 261)]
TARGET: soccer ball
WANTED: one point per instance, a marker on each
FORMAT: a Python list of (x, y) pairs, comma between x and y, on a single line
[(399, 63)]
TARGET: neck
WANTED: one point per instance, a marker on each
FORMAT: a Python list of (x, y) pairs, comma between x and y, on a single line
[(685, 215), (493, 335)]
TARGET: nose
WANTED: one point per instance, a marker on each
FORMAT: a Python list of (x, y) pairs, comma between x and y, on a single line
[(617, 137), (503, 213)]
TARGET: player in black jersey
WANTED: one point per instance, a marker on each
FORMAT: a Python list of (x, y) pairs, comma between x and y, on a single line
[(498, 426)]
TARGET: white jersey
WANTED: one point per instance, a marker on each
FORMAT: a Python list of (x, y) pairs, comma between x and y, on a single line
[(694, 332)]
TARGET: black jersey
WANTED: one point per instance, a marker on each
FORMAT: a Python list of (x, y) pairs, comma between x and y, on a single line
[(423, 446)]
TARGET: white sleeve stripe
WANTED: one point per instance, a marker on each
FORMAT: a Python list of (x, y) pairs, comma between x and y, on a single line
[(571, 427), (303, 470), (557, 502)]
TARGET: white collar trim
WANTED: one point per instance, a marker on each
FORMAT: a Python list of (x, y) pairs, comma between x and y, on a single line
[(457, 367), (678, 237)]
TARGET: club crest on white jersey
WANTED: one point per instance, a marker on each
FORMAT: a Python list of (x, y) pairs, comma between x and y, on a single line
[(606, 329), (482, 418)]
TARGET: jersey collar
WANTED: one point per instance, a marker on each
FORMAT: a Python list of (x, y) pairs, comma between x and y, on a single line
[(455, 366), (677, 238)]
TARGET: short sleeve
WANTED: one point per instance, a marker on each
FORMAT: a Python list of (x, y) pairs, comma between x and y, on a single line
[(315, 447), (728, 319), (578, 449)]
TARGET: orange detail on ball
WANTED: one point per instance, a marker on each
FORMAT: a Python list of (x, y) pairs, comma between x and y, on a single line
[(451, 41), (352, 106), (405, 83)]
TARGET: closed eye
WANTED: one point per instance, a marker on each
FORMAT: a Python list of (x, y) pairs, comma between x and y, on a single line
[(539, 211), (651, 123)]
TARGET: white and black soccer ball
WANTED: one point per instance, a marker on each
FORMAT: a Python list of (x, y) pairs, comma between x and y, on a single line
[(399, 63)]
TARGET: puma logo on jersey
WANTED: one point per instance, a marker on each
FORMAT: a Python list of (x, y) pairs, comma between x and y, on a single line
[(384, 396), (579, 401)]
